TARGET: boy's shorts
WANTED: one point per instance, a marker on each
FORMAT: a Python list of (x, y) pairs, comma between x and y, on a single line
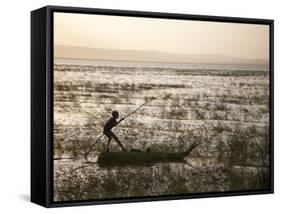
[(109, 134)]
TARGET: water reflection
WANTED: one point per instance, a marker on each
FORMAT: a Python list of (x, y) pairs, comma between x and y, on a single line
[(80, 180)]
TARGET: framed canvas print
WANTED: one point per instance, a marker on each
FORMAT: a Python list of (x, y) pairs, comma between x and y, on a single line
[(133, 106)]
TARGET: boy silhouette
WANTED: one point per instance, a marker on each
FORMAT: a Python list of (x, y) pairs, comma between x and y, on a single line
[(107, 130)]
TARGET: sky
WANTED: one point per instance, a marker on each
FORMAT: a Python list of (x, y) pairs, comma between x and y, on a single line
[(249, 41)]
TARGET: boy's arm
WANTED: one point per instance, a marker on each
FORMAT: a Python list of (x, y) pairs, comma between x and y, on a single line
[(120, 121)]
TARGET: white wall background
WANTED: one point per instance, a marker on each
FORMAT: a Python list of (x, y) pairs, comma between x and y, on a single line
[(15, 105)]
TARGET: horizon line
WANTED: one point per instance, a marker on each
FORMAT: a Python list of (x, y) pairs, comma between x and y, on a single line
[(165, 62)]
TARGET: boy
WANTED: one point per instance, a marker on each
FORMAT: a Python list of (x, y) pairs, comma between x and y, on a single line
[(107, 130)]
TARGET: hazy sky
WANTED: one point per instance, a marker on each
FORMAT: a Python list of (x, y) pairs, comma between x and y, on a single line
[(175, 36)]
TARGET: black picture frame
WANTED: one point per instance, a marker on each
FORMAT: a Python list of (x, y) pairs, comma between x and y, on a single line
[(42, 103)]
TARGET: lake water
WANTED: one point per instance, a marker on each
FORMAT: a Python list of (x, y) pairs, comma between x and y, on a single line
[(160, 65), (224, 107)]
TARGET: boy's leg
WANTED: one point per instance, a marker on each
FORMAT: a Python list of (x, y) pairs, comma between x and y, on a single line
[(118, 141), (108, 142)]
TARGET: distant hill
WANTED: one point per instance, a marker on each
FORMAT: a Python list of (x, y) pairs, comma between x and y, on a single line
[(148, 56)]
